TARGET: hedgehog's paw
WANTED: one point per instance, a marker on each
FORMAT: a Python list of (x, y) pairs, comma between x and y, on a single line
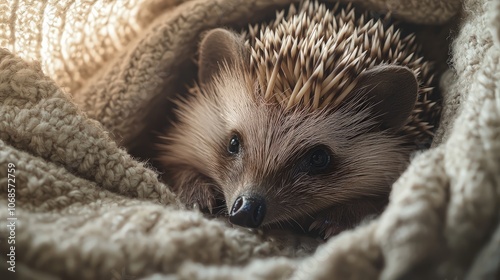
[(199, 198), (327, 225), (343, 217)]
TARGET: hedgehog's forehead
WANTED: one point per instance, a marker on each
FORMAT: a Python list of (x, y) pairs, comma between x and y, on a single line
[(266, 125)]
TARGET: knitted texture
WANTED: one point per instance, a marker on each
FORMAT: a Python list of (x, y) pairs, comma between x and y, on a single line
[(86, 209)]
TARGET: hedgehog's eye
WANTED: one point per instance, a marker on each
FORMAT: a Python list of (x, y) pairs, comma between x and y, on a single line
[(319, 159), (234, 145)]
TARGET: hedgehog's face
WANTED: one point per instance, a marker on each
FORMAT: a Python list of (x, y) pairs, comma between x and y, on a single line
[(274, 165)]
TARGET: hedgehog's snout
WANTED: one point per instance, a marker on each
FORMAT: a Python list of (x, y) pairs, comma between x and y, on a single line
[(248, 211)]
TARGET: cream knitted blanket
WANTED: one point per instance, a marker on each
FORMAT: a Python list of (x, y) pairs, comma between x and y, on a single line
[(79, 80)]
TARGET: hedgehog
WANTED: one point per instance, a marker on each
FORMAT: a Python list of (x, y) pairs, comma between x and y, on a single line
[(302, 122)]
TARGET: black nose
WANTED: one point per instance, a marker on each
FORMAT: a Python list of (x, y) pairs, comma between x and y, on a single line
[(248, 211)]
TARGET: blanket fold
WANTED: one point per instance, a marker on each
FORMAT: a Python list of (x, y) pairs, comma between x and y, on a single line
[(84, 83)]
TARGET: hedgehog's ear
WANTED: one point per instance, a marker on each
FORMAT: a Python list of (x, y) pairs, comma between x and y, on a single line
[(219, 46), (392, 91)]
